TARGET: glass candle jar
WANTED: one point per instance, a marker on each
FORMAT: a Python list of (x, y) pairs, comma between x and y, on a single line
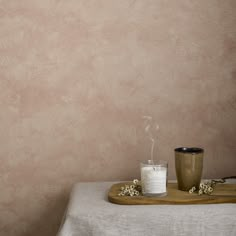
[(154, 178)]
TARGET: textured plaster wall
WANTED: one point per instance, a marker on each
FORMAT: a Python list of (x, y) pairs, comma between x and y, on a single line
[(76, 77)]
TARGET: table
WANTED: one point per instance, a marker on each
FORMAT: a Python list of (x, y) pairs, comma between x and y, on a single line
[(90, 214)]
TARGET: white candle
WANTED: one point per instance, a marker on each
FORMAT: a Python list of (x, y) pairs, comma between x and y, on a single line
[(153, 179)]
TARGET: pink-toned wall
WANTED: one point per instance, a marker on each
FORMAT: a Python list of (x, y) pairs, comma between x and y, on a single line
[(76, 77)]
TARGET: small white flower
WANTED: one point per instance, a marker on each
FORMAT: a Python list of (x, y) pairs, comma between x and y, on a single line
[(201, 185), (200, 192), (192, 190), (132, 186), (210, 190), (205, 187)]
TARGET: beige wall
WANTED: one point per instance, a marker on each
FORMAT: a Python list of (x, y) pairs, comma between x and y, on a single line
[(76, 77)]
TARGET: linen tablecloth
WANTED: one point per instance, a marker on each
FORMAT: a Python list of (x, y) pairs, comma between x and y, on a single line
[(90, 214)]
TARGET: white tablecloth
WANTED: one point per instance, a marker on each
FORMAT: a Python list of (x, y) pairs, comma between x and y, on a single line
[(90, 214)]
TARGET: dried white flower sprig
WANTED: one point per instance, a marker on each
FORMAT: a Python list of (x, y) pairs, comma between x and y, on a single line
[(131, 190), (204, 188), (208, 187)]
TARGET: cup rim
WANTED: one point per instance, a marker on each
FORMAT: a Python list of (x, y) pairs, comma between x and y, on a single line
[(155, 163), (192, 150)]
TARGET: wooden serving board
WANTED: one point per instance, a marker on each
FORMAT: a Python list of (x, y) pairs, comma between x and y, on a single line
[(223, 193)]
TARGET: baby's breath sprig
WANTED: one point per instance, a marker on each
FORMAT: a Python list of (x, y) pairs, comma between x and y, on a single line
[(208, 187), (131, 190), (204, 188)]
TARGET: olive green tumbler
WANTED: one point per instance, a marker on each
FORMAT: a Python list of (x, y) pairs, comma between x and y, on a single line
[(188, 166)]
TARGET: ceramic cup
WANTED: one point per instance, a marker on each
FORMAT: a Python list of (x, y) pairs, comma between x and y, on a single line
[(188, 166)]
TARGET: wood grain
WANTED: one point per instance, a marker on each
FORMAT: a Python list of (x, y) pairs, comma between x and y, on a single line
[(223, 193)]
